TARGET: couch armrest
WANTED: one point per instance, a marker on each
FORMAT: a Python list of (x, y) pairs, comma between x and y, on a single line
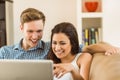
[(105, 67)]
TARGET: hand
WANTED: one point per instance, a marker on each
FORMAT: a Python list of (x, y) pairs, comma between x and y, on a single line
[(62, 68), (112, 51)]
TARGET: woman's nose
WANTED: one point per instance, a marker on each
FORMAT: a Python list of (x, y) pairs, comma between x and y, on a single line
[(57, 47)]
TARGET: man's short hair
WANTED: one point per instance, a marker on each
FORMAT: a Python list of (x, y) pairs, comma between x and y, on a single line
[(31, 14)]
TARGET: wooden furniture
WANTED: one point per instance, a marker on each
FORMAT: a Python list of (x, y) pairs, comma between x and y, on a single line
[(6, 22), (89, 14)]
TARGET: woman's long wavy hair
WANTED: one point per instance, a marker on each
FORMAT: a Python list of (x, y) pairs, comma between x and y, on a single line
[(69, 30)]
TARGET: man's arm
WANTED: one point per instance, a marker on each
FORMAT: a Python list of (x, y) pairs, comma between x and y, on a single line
[(101, 47), (2, 51)]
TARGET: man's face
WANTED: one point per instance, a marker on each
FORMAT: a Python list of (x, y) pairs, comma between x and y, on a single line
[(33, 32)]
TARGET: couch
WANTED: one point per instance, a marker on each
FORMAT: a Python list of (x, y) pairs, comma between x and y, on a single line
[(103, 67)]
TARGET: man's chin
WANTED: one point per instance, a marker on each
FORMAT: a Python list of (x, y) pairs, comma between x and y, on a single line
[(33, 45)]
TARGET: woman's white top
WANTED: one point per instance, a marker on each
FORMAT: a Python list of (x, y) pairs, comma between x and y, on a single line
[(68, 76)]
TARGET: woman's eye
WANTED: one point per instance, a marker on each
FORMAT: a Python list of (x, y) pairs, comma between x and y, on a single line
[(62, 43)]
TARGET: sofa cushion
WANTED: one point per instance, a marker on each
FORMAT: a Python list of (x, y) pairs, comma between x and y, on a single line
[(105, 67)]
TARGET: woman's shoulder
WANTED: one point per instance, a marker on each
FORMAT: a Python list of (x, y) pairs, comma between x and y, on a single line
[(85, 54), (84, 57)]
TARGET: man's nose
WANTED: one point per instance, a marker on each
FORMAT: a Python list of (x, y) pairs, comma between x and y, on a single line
[(35, 35)]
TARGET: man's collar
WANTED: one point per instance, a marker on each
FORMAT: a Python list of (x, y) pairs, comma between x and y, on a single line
[(40, 45)]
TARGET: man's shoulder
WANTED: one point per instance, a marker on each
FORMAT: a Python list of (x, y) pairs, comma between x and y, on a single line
[(46, 43), (81, 47), (5, 50), (8, 47)]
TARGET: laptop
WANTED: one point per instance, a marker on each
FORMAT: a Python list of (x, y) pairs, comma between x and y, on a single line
[(26, 69)]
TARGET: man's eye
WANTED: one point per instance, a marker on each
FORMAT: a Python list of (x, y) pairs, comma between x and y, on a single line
[(39, 31), (30, 31), (53, 42)]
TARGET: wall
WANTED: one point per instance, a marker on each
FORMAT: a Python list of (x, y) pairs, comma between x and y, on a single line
[(65, 10), (56, 11), (9, 22), (111, 21)]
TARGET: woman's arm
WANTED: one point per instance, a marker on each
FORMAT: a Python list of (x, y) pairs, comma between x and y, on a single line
[(85, 63)]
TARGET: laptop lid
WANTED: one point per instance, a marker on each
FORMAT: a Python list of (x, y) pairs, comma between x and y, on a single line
[(26, 70)]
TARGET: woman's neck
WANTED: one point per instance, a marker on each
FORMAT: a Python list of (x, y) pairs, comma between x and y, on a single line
[(68, 59)]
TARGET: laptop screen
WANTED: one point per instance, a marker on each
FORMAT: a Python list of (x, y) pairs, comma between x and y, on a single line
[(26, 70)]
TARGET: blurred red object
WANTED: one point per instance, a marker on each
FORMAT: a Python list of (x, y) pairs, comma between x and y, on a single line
[(91, 6)]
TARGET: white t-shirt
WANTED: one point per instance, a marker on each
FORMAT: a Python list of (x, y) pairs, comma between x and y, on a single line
[(68, 76)]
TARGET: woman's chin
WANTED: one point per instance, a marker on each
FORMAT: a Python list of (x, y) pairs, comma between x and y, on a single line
[(59, 56)]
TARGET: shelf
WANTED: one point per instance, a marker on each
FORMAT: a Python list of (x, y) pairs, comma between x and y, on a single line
[(2, 20), (89, 20), (92, 15)]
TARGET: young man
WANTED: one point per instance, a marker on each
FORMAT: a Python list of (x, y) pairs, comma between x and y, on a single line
[(30, 46)]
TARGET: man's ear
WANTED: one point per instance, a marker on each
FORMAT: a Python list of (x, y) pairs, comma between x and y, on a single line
[(21, 27)]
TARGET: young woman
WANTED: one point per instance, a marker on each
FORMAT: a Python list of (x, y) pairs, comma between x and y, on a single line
[(64, 51)]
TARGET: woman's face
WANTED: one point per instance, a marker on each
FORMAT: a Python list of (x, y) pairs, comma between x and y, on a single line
[(61, 45)]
